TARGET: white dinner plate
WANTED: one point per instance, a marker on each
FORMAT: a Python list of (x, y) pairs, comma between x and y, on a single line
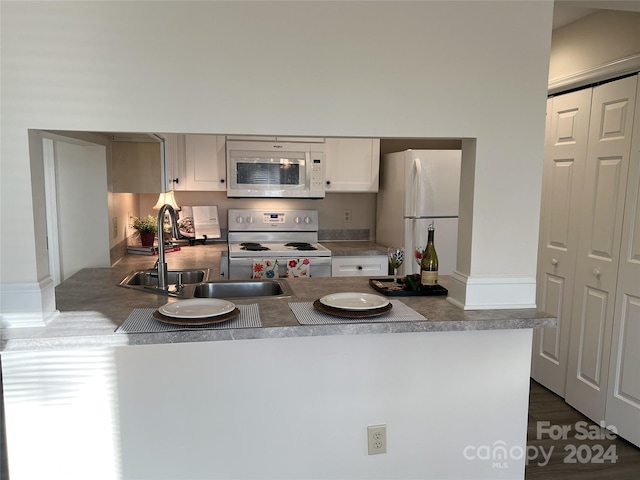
[(197, 308), (354, 301)]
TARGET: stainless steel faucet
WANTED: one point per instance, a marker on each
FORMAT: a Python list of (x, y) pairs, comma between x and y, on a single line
[(163, 278)]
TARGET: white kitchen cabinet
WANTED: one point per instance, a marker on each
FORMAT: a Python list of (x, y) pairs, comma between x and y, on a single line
[(352, 164), (196, 162), (589, 258), (359, 266), (205, 163), (174, 159)]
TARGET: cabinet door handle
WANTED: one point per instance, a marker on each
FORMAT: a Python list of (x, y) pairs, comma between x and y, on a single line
[(222, 180), (328, 182), (359, 267), (175, 180), (596, 273), (554, 261)]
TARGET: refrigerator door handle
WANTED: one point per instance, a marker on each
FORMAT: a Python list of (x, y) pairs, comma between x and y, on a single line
[(417, 181)]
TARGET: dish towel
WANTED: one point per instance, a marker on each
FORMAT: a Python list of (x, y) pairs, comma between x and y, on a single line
[(298, 267), (265, 268), (141, 320), (306, 314)]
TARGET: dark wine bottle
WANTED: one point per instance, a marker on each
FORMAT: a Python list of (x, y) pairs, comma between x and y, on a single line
[(429, 262)]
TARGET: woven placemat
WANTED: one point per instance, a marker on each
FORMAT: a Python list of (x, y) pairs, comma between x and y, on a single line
[(308, 315), (141, 320)]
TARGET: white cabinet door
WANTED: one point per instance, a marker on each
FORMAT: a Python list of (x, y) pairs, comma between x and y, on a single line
[(623, 398), (352, 164), (596, 274), (360, 266), (205, 165), (563, 177), (174, 160)]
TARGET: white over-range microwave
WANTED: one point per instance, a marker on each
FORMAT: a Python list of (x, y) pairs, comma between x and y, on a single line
[(274, 169)]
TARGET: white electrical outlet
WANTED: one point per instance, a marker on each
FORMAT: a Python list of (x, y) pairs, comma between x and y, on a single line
[(377, 439), (347, 216)]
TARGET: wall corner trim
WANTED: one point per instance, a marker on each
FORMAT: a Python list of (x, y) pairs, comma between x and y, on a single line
[(27, 304), (492, 292)]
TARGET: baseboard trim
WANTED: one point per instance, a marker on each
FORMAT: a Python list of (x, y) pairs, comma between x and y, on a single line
[(27, 304), (492, 292)]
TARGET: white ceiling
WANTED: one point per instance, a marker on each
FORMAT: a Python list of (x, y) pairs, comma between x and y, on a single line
[(567, 11)]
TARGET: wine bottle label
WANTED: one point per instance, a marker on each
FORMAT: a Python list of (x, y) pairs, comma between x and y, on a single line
[(429, 278)]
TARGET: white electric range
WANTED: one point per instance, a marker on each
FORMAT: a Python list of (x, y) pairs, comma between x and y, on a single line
[(274, 234)]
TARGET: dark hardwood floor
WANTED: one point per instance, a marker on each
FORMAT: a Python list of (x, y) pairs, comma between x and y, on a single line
[(593, 456)]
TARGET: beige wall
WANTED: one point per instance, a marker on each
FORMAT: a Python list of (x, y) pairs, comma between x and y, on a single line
[(466, 69), (594, 41), (330, 209)]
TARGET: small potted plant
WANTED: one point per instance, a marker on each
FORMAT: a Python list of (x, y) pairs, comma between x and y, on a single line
[(147, 227)]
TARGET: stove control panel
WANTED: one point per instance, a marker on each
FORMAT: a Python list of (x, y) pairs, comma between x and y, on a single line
[(270, 220), (273, 218)]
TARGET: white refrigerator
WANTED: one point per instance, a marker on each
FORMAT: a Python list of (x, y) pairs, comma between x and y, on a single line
[(417, 188)]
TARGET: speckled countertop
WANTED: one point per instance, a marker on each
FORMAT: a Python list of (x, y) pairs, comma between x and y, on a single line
[(92, 306), (354, 248)]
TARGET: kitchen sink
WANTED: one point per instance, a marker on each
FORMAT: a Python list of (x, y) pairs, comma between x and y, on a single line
[(236, 289), (144, 278), (196, 284)]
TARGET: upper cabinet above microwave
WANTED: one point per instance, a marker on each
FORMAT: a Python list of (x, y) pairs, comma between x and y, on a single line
[(352, 164), (196, 162)]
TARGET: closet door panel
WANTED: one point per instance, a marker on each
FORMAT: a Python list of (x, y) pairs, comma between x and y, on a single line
[(627, 384), (592, 328), (608, 152), (553, 299), (561, 194), (623, 399), (605, 210), (563, 175)]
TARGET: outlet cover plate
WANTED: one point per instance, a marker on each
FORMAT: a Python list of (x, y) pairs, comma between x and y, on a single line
[(377, 439)]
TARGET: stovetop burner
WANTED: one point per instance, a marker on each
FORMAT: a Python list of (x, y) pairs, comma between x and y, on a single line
[(253, 247), (300, 245)]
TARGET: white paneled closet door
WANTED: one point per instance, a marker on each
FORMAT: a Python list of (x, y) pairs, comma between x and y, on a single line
[(623, 400), (596, 276), (564, 165)]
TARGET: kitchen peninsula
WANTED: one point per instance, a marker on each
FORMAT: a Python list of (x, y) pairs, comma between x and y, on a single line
[(267, 402)]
